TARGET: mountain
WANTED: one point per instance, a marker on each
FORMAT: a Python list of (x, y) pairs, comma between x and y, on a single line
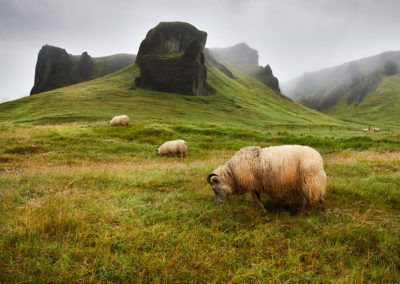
[(240, 102), (239, 56), (56, 68), (145, 92), (353, 91), (245, 59)]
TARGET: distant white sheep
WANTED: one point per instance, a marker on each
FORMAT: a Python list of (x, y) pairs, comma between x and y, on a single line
[(121, 120), (173, 148), (289, 174), (365, 130), (376, 129)]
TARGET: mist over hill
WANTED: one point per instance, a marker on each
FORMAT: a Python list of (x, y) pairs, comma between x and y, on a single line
[(245, 59), (321, 90)]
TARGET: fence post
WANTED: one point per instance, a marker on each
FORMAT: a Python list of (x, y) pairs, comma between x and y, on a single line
[(369, 128), (292, 127), (331, 128), (349, 128)]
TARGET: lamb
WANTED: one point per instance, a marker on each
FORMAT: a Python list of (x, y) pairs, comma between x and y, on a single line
[(376, 129), (365, 130), (121, 120), (287, 173), (173, 148)]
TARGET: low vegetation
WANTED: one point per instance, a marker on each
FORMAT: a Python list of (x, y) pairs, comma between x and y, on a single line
[(86, 202)]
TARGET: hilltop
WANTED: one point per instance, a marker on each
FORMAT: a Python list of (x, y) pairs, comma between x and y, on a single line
[(243, 101), (365, 90), (56, 68), (245, 59)]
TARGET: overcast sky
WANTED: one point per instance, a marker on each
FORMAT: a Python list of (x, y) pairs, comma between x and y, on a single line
[(293, 36)]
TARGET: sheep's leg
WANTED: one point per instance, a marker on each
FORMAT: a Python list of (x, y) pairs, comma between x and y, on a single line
[(322, 201), (256, 197), (306, 202)]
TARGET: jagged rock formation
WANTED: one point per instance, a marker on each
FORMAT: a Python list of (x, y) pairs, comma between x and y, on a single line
[(171, 59), (245, 59), (349, 83), (210, 60), (239, 56), (55, 68), (265, 76)]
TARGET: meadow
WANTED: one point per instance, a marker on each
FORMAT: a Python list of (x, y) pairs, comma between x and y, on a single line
[(83, 202)]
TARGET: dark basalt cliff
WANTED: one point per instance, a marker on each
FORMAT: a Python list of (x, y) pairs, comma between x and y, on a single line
[(171, 59), (265, 76), (55, 68)]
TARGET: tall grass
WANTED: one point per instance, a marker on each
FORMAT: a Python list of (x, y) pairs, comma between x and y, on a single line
[(85, 203)]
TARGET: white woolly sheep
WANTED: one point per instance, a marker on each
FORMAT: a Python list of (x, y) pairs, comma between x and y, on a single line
[(173, 148), (121, 120), (365, 130), (287, 173), (376, 129)]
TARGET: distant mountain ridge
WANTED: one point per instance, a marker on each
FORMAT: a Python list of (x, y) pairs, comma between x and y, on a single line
[(245, 59), (240, 56), (55, 68), (322, 90)]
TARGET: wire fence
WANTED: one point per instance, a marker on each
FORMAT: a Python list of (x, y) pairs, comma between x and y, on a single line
[(326, 129)]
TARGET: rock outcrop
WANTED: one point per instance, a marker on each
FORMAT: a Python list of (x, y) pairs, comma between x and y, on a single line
[(265, 76), (171, 59), (55, 68), (221, 67), (239, 56)]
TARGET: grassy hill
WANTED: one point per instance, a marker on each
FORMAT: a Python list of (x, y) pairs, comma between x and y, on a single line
[(84, 202), (55, 68), (355, 91), (381, 107), (242, 101)]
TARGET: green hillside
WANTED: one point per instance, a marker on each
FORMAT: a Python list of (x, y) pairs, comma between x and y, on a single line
[(242, 101), (85, 202), (364, 90), (55, 68), (381, 107)]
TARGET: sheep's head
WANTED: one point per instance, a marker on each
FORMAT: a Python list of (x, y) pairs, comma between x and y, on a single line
[(158, 154), (220, 186)]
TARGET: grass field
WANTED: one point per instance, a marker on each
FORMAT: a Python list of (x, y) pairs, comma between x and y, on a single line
[(85, 202), (379, 107)]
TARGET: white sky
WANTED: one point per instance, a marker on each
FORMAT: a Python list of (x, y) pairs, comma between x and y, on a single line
[(293, 36)]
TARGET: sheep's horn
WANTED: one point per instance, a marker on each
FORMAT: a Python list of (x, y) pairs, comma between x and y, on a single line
[(210, 176)]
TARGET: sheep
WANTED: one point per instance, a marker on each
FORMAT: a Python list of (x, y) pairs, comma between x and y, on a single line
[(286, 173), (173, 148), (121, 120), (365, 130), (376, 129)]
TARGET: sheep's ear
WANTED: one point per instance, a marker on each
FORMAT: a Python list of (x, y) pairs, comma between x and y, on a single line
[(212, 178)]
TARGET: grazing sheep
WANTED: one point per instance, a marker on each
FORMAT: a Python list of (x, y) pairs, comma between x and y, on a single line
[(365, 130), (376, 129), (173, 148), (121, 120), (287, 173)]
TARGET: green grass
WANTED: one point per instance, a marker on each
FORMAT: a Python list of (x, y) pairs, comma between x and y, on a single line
[(84, 202), (243, 101), (381, 107)]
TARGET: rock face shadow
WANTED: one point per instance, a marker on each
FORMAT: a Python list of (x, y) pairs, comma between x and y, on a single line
[(171, 59)]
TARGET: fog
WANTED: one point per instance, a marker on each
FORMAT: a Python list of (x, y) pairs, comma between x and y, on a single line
[(293, 36)]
